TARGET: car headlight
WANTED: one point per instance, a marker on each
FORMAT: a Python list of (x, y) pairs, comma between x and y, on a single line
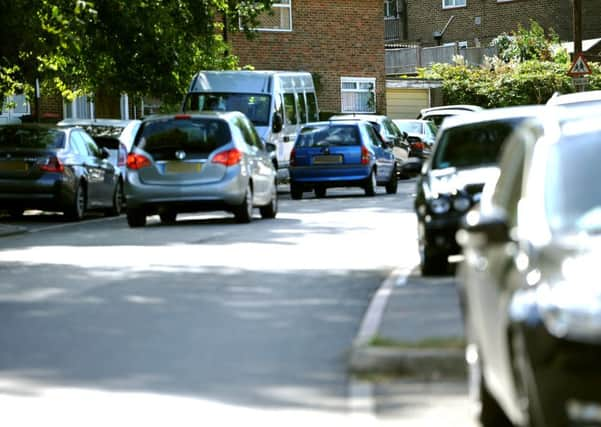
[(461, 203), (440, 205), (571, 307)]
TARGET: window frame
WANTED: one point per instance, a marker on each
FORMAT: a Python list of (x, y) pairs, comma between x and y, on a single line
[(453, 5), (358, 89), (282, 4)]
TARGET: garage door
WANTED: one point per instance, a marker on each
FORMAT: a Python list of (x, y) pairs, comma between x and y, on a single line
[(406, 103)]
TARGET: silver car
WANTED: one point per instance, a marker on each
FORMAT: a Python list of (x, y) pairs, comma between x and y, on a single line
[(199, 162)]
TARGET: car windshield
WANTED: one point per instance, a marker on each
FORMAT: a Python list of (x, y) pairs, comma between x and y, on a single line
[(410, 127), (163, 137), (337, 135), (572, 197), (253, 106), (31, 137), (472, 145)]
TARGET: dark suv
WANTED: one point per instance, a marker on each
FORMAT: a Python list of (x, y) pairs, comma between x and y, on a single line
[(464, 157)]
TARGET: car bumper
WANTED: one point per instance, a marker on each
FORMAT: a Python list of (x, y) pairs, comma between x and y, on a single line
[(334, 177), (49, 192), (439, 234), (223, 194)]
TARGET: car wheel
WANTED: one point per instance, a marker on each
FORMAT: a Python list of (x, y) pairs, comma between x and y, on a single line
[(244, 212), (270, 211), (168, 217), (118, 198), (393, 184), (77, 208), (320, 191), (15, 213), (296, 191), (136, 217), (370, 185), (433, 265)]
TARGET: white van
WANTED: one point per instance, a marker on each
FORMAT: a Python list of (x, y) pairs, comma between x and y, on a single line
[(277, 102)]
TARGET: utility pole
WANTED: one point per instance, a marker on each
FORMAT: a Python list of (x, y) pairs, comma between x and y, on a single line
[(577, 25)]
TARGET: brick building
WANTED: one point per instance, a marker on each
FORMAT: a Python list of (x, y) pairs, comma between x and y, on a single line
[(475, 22), (341, 42)]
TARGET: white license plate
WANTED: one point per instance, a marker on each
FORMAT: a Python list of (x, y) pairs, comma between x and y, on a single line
[(13, 166), (327, 160)]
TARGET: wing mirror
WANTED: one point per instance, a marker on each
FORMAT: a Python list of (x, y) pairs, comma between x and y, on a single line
[(277, 122)]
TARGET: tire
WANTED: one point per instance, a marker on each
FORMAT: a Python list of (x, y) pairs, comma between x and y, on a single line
[(243, 213), (433, 265), (168, 217), (320, 192), (15, 213), (393, 184), (271, 210), (370, 184), (118, 198), (136, 217), (296, 191), (77, 209)]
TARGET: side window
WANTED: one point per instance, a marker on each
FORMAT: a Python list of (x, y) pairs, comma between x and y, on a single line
[(302, 108), (90, 144), (249, 134), (290, 109), (78, 145), (312, 107), (372, 136)]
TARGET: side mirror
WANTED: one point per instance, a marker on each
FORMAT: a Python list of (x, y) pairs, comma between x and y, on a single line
[(277, 122), (270, 147), (405, 135)]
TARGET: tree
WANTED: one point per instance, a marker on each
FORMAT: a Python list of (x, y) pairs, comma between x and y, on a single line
[(140, 47)]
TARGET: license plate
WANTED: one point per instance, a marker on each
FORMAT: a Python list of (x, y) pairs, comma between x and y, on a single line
[(182, 167), (13, 166), (327, 160)]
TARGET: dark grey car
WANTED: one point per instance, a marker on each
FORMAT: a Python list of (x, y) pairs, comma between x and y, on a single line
[(199, 162), (56, 169)]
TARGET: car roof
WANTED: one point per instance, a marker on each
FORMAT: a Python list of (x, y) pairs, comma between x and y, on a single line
[(225, 115), (492, 115), (359, 116), (575, 98), (96, 122), (462, 107), (336, 122)]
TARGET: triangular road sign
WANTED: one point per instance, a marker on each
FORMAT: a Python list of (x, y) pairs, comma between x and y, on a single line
[(579, 67)]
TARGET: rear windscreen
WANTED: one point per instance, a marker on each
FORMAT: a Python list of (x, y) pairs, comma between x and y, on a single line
[(103, 131), (31, 137), (107, 142), (201, 136), (472, 145), (337, 135)]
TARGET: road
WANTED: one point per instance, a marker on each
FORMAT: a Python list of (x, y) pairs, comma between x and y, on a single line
[(206, 319)]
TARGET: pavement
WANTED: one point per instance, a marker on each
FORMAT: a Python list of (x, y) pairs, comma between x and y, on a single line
[(9, 230), (413, 327)]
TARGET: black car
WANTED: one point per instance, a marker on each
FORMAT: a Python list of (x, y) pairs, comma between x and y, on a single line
[(56, 169), (530, 277), (464, 157)]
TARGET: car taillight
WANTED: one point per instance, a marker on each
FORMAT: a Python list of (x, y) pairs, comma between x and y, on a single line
[(53, 165), (228, 158), (292, 157), (122, 156), (137, 161), (365, 155), (418, 145), (182, 117)]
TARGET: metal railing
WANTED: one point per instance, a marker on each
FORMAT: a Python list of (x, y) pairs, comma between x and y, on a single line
[(408, 60), (392, 30)]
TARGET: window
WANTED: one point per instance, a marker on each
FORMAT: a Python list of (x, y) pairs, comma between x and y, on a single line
[(15, 105), (302, 108), (391, 9), (290, 109), (447, 4), (278, 19), (312, 107), (358, 95)]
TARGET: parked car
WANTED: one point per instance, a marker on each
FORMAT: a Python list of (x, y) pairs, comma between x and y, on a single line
[(199, 162), (464, 157), (590, 97), (56, 169), (439, 114), (341, 153), (117, 136), (421, 135), (529, 280), (391, 134)]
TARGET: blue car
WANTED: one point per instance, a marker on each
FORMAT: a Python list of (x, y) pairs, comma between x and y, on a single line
[(341, 154)]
